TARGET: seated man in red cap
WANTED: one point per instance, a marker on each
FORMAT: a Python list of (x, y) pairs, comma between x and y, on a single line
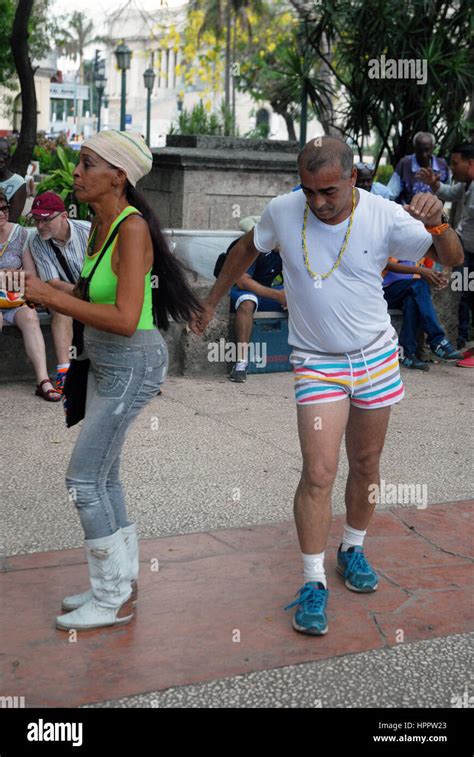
[(58, 247)]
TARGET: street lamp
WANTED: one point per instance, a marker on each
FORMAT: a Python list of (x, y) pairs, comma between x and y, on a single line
[(304, 113), (149, 80), (124, 56), (100, 81)]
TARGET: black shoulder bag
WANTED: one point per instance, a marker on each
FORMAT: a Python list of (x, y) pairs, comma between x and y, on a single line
[(219, 264), (62, 262), (75, 384)]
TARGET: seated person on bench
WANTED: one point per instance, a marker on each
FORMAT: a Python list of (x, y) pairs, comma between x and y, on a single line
[(411, 293), (58, 247), (253, 291)]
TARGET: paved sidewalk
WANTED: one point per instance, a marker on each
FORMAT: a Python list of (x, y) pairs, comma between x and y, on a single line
[(210, 470), (210, 606), (211, 454)]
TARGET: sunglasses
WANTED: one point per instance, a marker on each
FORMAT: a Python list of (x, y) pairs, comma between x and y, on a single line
[(4, 209), (46, 221), (361, 166)]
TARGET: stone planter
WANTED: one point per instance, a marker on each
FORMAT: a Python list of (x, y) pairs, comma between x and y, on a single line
[(201, 182)]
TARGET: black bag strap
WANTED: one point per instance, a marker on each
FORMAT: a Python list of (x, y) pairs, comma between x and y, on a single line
[(63, 262), (86, 281)]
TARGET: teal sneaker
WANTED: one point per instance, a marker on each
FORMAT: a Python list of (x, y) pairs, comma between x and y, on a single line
[(358, 574), (445, 351), (310, 617)]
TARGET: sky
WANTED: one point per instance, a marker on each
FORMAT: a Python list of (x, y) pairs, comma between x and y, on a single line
[(98, 8), (93, 8)]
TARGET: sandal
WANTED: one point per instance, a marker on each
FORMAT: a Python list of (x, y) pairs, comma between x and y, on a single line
[(46, 393)]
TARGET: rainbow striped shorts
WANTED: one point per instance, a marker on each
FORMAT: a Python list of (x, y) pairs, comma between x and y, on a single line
[(370, 377)]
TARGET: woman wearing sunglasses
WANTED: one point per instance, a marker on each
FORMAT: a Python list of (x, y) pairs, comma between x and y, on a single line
[(15, 258)]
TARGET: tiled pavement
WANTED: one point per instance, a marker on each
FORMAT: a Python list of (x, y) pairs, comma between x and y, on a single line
[(210, 607)]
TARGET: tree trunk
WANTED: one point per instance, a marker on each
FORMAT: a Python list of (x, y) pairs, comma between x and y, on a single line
[(290, 125), (21, 56), (234, 34), (289, 120), (227, 63)]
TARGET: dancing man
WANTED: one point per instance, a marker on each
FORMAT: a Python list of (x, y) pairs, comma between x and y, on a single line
[(334, 241)]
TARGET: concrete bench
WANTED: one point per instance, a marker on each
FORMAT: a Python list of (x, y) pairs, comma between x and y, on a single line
[(189, 354)]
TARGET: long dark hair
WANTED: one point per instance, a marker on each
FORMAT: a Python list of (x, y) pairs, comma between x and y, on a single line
[(173, 296)]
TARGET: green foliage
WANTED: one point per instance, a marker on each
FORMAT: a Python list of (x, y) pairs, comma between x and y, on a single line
[(7, 67), (350, 35), (216, 13), (43, 28), (77, 33), (47, 159), (261, 131), (46, 152), (276, 64), (200, 121), (61, 181), (26, 221), (228, 122), (384, 173)]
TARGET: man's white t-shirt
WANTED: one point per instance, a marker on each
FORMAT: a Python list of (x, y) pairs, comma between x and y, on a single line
[(347, 310)]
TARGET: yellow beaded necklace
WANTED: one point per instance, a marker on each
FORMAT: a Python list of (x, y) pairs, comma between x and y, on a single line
[(313, 274), (6, 243)]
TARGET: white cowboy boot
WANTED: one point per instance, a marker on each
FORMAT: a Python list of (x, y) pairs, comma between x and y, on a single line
[(131, 541), (109, 571)]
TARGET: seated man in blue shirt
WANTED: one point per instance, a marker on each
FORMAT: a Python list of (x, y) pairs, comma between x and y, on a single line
[(408, 288), (254, 291)]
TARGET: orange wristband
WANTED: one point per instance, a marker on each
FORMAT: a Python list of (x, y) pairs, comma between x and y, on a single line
[(437, 230)]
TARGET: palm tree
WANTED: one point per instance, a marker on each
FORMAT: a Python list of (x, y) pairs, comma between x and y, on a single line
[(222, 17), (76, 38)]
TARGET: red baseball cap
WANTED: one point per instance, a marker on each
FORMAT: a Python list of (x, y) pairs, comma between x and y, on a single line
[(44, 205)]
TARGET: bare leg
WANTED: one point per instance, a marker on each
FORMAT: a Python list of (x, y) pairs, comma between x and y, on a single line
[(321, 428), (365, 437), (61, 329), (243, 327), (27, 321)]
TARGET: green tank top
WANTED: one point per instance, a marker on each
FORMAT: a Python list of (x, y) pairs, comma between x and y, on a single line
[(103, 286)]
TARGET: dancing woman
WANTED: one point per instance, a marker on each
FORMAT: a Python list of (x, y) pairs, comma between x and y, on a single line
[(129, 361)]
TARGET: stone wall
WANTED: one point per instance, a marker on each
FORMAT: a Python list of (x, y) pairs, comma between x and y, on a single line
[(212, 182)]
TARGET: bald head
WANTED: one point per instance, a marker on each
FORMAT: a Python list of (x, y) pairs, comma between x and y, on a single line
[(325, 152)]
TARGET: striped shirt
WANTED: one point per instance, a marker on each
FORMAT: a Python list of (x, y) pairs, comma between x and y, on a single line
[(74, 249)]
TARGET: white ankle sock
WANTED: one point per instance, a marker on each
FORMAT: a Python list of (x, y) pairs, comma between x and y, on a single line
[(314, 568), (352, 538), (240, 365)]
